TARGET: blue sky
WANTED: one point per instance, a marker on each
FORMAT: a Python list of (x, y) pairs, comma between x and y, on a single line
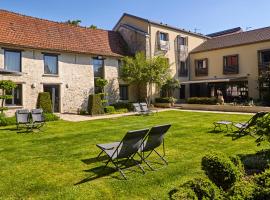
[(206, 15)]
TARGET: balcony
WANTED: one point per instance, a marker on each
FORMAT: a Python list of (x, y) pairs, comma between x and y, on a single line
[(230, 70), (201, 72), (164, 45)]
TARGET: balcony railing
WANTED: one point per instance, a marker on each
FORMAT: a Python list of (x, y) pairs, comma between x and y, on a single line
[(164, 45), (201, 72), (231, 70)]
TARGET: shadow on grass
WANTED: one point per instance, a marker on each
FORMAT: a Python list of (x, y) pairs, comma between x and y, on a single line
[(215, 131), (89, 161)]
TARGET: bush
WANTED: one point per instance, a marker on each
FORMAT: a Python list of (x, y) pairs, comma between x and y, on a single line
[(202, 100), (165, 100), (122, 110), (44, 101), (242, 190), (109, 109), (238, 163), (6, 121), (184, 194), (95, 105), (257, 162), (50, 117), (203, 188), (221, 170), (121, 105)]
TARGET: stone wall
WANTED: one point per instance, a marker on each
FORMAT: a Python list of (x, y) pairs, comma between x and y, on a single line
[(75, 79)]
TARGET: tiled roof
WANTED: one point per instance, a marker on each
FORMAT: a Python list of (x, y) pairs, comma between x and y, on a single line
[(29, 32), (237, 39), (226, 32)]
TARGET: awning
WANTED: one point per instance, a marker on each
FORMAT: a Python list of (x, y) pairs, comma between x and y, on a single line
[(216, 80), (9, 72)]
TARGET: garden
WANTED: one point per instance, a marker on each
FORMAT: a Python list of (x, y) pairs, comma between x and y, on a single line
[(60, 161)]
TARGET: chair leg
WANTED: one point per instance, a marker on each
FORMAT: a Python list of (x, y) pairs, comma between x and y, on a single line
[(119, 169), (146, 162), (162, 157), (138, 164)]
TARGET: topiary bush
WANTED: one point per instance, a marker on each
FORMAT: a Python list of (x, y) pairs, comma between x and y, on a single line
[(109, 109), (238, 163), (242, 190), (221, 170), (202, 100), (121, 105), (44, 101), (95, 106), (50, 117), (183, 193), (203, 188)]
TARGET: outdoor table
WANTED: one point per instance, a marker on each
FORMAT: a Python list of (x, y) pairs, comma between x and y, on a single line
[(219, 124)]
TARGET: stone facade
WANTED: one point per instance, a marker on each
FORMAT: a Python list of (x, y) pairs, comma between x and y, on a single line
[(75, 79)]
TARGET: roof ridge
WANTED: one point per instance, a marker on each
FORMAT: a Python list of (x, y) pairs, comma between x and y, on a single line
[(51, 21)]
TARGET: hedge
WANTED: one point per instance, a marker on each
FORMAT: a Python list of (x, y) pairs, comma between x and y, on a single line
[(109, 109), (164, 100), (121, 105), (44, 101), (95, 105), (202, 100), (221, 170)]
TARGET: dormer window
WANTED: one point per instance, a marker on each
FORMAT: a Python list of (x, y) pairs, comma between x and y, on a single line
[(163, 41), (183, 41)]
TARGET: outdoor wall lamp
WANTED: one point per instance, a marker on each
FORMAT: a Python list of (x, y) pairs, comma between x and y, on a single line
[(33, 86), (67, 86)]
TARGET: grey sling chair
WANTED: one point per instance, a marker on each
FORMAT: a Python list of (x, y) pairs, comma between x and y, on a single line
[(124, 150), (154, 139), (23, 118), (247, 126), (137, 108), (38, 119), (145, 109)]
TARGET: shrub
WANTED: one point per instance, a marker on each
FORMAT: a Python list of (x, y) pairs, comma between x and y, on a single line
[(184, 194), (238, 163), (44, 101), (50, 117), (203, 188), (6, 121), (165, 100), (242, 190), (109, 109), (122, 110), (258, 162), (95, 105), (262, 192), (263, 129), (120, 105), (221, 170), (202, 100)]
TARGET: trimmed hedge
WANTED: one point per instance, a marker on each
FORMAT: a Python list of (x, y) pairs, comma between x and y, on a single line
[(6, 121), (95, 105), (165, 100), (183, 193), (238, 163), (221, 170), (44, 101), (121, 105), (50, 117), (262, 191), (202, 100), (242, 190), (109, 109), (203, 188)]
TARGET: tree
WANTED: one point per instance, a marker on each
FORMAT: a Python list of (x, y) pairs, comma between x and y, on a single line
[(5, 86), (264, 86), (74, 22), (142, 71), (170, 85), (101, 83), (93, 27)]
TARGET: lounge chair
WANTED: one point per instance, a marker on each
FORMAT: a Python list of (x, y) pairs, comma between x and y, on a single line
[(38, 119), (154, 139), (22, 118), (145, 109), (247, 126), (137, 108), (124, 150)]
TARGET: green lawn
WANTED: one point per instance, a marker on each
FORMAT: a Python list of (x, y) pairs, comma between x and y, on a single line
[(56, 163)]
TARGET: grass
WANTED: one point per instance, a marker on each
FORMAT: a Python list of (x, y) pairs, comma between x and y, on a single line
[(56, 163)]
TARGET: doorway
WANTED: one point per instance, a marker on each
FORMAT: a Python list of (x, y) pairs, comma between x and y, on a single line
[(182, 92), (54, 91)]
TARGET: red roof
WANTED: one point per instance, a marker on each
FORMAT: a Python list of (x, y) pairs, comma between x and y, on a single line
[(29, 32)]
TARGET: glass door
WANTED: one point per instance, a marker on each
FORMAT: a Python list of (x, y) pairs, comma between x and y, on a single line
[(55, 96)]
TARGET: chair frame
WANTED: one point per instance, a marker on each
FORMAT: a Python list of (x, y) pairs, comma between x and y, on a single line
[(24, 112)]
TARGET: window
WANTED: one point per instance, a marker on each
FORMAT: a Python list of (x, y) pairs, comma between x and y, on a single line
[(183, 71), (182, 40), (163, 36), (123, 92), (230, 64), (12, 60), (264, 60), (201, 67), (16, 94), (98, 65), (50, 64)]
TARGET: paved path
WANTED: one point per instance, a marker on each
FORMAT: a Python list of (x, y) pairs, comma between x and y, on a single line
[(78, 118)]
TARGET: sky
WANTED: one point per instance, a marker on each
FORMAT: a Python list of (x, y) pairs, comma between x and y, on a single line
[(207, 16)]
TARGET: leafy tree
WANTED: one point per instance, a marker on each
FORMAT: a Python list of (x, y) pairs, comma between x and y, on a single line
[(262, 128), (74, 22), (264, 86), (101, 83), (5, 86), (144, 72), (93, 27), (170, 85)]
